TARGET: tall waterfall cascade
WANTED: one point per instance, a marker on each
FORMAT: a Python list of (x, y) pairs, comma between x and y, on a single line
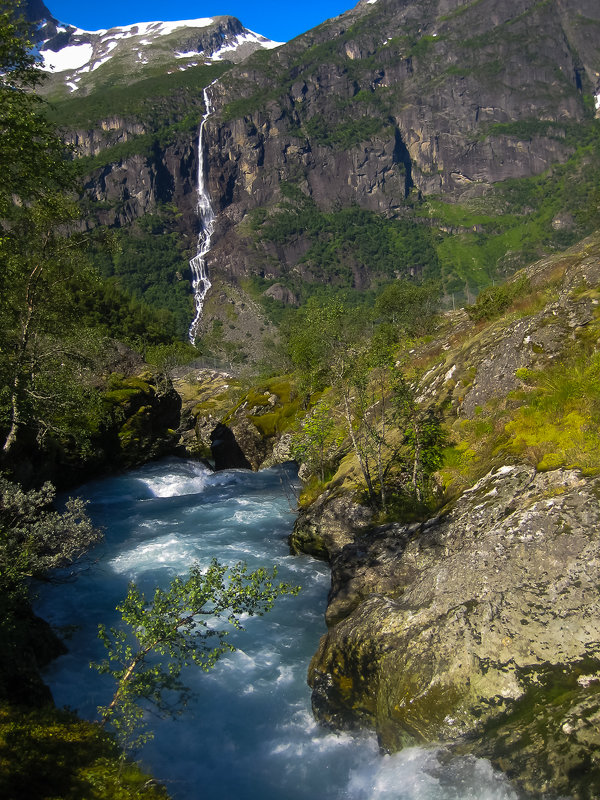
[(200, 281)]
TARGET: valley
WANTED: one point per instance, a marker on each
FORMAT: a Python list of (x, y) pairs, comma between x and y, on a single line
[(374, 252)]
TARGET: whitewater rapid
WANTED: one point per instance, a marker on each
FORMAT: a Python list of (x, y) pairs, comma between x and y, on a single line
[(248, 733)]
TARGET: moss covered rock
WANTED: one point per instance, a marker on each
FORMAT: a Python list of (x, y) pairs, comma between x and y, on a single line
[(144, 414), (326, 526)]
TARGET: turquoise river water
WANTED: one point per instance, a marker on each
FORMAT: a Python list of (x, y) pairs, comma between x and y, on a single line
[(248, 733)]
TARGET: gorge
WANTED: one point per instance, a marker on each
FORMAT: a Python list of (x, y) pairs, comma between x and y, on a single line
[(372, 251), (248, 732)]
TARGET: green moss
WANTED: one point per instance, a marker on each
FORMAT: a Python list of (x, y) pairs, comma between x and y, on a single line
[(255, 398), (122, 390), (205, 408), (554, 423), (525, 375), (277, 421), (284, 389), (50, 753), (266, 423)]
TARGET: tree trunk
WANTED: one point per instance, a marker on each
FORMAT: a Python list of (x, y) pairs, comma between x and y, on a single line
[(15, 420)]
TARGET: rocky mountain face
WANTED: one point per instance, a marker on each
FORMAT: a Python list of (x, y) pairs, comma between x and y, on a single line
[(389, 105), (397, 98)]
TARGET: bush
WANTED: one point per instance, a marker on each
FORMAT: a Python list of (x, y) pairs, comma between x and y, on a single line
[(494, 300)]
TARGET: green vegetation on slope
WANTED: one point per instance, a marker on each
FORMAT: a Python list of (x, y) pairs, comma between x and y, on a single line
[(522, 218), (157, 101), (148, 263), (350, 247)]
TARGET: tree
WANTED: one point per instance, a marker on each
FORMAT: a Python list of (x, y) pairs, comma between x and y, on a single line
[(174, 630), (167, 357), (408, 305), (317, 435), (366, 393), (424, 437), (320, 338), (37, 316), (32, 155), (35, 537), (41, 360)]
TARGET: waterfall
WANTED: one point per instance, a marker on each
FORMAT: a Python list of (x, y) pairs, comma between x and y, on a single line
[(200, 282)]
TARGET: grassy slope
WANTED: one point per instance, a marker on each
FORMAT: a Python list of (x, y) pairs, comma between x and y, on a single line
[(547, 414)]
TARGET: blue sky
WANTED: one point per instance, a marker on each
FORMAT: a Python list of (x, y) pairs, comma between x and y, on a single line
[(278, 19)]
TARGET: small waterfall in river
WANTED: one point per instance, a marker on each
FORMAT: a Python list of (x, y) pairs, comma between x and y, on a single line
[(200, 281)]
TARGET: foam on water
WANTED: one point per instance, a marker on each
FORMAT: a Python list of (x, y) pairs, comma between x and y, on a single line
[(166, 551), (419, 774), (248, 732), (175, 484)]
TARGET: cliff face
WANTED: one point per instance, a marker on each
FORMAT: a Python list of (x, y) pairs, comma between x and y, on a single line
[(122, 191), (389, 102), (396, 97), (437, 75)]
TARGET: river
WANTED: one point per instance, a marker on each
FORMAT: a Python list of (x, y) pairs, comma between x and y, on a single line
[(248, 732)]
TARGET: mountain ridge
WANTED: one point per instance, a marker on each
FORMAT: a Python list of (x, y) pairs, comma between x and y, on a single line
[(70, 54)]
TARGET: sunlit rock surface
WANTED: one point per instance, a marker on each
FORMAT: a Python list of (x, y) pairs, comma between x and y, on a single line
[(472, 624)]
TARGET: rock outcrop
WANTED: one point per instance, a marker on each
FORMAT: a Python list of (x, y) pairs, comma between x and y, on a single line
[(126, 189), (475, 627), (325, 527)]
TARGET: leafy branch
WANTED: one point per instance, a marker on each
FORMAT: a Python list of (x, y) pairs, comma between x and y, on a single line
[(179, 627)]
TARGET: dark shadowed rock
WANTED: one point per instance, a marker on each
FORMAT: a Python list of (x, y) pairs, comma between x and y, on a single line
[(226, 452)]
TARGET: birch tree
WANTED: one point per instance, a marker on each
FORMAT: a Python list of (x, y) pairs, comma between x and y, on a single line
[(186, 624)]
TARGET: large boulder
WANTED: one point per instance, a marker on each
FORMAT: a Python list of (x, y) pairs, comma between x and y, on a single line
[(326, 526), (480, 628)]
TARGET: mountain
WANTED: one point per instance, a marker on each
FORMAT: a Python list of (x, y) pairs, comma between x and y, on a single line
[(396, 102), (82, 61), (443, 139)]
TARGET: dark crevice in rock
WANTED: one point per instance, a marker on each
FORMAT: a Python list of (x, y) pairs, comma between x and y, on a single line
[(226, 452), (401, 156)]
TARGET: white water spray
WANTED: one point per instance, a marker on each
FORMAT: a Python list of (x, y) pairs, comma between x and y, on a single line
[(200, 282)]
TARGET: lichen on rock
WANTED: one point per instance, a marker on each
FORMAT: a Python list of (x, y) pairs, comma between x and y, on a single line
[(457, 629)]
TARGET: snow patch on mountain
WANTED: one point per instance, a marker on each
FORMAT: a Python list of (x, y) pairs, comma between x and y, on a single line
[(143, 28), (74, 56), (73, 52), (243, 38)]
